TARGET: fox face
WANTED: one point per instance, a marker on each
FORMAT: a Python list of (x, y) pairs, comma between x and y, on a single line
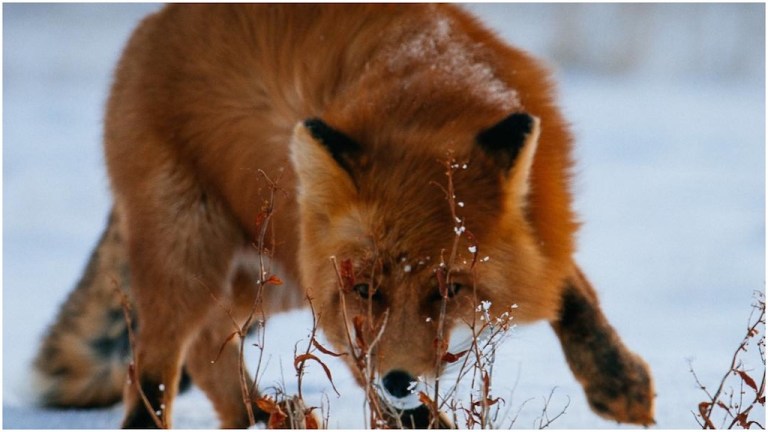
[(417, 241)]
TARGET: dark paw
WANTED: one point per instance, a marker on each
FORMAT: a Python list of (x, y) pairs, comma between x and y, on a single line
[(140, 418), (627, 398)]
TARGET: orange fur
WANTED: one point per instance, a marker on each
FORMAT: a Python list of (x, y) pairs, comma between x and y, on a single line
[(206, 96)]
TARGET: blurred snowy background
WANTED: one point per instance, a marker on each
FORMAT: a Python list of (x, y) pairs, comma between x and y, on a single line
[(668, 106)]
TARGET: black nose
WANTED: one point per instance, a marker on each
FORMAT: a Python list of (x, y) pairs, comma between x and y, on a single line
[(397, 383)]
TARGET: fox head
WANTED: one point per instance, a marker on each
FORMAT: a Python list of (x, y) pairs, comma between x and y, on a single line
[(422, 228)]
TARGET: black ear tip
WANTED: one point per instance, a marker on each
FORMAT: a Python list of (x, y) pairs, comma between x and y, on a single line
[(342, 148), (511, 130), (504, 140), (522, 122), (316, 127), (332, 138)]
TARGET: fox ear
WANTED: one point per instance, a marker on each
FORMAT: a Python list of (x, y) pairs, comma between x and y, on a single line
[(512, 143), (323, 159), (342, 148)]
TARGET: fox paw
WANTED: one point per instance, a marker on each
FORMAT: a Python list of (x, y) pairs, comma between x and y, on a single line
[(625, 393)]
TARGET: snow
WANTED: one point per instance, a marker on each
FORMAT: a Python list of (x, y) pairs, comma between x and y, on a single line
[(439, 46), (670, 125)]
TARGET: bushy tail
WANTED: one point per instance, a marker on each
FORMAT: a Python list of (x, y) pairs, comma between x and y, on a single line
[(83, 359)]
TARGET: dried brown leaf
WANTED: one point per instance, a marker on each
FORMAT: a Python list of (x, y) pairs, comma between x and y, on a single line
[(747, 379), (358, 322), (310, 422), (742, 420), (325, 350), (425, 399), (299, 361), (347, 274), (277, 420), (267, 405), (277, 416), (703, 408), (449, 357), (487, 402)]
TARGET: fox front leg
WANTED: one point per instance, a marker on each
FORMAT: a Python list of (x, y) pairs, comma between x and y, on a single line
[(617, 382)]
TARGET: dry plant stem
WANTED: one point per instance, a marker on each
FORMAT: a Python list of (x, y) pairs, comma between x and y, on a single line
[(246, 392), (508, 411), (266, 214), (752, 330), (300, 367), (300, 360), (438, 363), (257, 309), (370, 389), (740, 415), (369, 372), (544, 420), (258, 306), (463, 369), (445, 283), (240, 331), (517, 414), (480, 363), (343, 301), (479, 368), (133, 368), (482, 367), (377, 413), (360, 355), (325, 406)]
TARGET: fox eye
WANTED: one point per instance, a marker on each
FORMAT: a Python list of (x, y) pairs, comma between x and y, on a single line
[(364, 291), (454, 289)]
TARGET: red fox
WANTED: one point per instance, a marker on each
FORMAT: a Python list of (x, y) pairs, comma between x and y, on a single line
[(353, 108)]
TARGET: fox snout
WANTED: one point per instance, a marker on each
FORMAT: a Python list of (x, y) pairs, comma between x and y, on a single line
[(398, 384), (402, 391)]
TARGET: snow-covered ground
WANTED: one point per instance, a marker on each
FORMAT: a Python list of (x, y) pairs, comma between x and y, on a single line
[(671, 169)]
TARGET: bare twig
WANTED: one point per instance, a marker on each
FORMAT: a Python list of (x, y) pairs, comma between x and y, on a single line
[(544, 420), (312, 345), (736, 410), (134, 365), (367, 335)]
